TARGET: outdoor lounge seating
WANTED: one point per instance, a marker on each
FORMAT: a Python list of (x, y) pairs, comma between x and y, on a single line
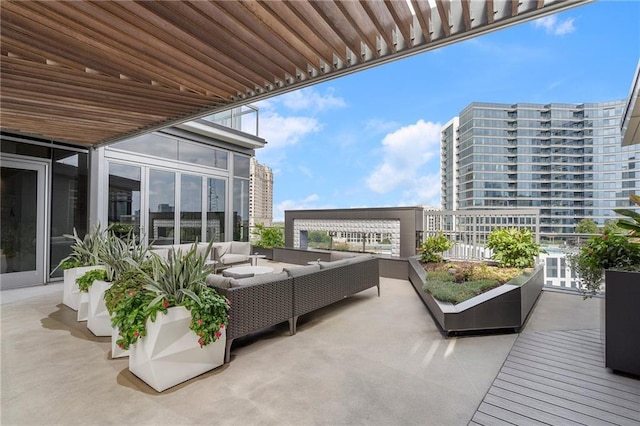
[(266, 300), (225, 254)]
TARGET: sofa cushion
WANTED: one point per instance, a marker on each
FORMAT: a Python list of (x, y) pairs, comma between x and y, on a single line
[(241, 247), (298, 271), (235, 275), (263, 278), (334, 264), (221, 248), (214, 280), (161, 252), (230, 258)]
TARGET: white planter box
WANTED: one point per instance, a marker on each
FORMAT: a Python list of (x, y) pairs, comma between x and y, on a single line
[(116, 352), (170, 354), (83, 307), (70, 290), (98, 319)]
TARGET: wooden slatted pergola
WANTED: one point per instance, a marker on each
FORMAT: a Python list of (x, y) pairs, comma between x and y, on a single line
[(92, 73)]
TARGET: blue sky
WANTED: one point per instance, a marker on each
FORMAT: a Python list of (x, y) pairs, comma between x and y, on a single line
[(372, 139)]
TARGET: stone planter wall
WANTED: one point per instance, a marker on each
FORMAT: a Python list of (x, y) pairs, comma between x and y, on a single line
[(505, 307)]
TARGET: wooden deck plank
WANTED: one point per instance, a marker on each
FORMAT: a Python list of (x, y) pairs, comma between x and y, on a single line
[(595, 375), (544, 377), (581, 347), (527, 411), (575, 402), (561, 352), (488, 415), (559, 377), (561, 386), (554, 408), (600, 373)]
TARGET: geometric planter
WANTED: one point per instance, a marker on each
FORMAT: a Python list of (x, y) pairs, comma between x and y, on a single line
[(70, 290), (83, 306), (170, 353), (98, 318), (622, 321), (116, 351), (505, 307)]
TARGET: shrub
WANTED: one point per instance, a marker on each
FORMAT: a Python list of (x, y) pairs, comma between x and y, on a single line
[(513, 247), (608, 251), (268, 237), (433, 247), (85, 281)]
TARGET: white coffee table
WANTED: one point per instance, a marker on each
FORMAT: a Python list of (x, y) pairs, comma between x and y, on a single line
[(255, 270)]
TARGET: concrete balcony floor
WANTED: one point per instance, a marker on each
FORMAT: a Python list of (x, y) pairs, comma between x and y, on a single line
[(364, 360)]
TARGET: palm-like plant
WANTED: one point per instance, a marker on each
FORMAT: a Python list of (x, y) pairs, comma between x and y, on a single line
[(119, 255), (85, 251), (633, 223), (182, 275)]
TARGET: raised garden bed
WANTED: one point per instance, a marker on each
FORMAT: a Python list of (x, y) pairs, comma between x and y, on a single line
[(505, 307)]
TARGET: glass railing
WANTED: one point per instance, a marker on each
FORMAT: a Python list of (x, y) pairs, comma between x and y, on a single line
[(243, 119)]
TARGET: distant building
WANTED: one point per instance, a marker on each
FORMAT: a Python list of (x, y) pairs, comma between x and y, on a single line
[(260, 195), (564, 159)]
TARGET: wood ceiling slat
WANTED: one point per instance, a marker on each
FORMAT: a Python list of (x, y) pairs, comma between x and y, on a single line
[(293, 30), (490, 11), (208, 28), (334, 17), (514, 7), (222, 66), (466, 14), (143, 60), (97, 72), (143, 37), (382, 19), (443, 7), (402, 17), (356, 15), (423, 13), (268, 32), (268, 53), (81, 80), (319, 29)]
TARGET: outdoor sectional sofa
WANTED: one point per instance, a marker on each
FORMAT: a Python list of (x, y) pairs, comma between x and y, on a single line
[(266, 300)]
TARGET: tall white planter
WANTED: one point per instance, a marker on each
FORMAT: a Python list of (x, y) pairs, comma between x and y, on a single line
[(70, 290), (98, 318), (83, 306), (170, 354), (116, 351)]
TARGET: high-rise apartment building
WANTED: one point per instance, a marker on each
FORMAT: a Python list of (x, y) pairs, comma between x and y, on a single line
[(260, 195), (565, 159)]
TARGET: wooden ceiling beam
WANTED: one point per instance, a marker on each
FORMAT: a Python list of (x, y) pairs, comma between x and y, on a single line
[(423, 13)]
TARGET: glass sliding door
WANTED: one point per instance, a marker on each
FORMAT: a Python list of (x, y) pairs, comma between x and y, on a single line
[(190, 208), (124, 197), (161, 207), (23, 205), (216, 196)]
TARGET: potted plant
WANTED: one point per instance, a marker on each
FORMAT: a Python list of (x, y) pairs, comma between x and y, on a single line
[(118, 255), (611, 262), (471, 296), (268, 239), (170, 309), (83, 258)]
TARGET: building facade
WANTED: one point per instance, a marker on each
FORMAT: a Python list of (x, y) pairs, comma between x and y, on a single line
[(185, 183), (260, 195), (564, 159)]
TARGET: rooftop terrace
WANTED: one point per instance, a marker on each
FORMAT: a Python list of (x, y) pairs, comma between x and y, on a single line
[(364, 360)]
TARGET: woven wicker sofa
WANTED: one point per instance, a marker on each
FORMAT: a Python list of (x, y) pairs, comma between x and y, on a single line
[(266, 300), (226, 254)]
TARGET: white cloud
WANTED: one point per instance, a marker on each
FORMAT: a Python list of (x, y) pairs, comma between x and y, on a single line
[(310, 99), (377, 125), (405, 154), (280, 131), (307, 203), (552, 26)]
